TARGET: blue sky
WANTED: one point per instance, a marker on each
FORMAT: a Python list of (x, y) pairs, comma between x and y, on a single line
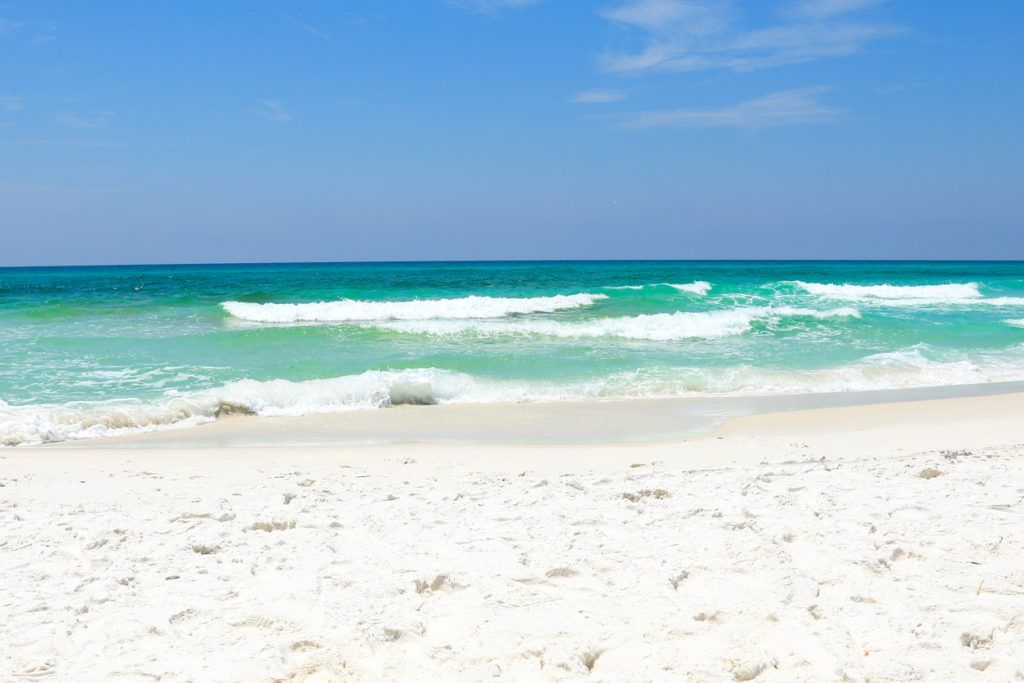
[(279, 130)]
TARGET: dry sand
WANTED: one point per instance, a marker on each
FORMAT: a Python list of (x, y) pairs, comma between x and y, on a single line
[(881, 542)]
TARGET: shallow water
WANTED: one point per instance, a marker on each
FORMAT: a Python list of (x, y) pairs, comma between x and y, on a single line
[(95, 351)]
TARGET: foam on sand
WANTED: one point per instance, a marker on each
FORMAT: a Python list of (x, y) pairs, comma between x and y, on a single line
[(279, 397), (348, 310), (910, 367)]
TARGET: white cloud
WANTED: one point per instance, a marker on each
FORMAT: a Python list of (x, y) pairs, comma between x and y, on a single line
[(890, 89), (491, 6), (75, 121), (598, 96), (64, 143), (674, 16), (308, 28), (46, 32), (690, 35), (273, 110), (9, 26), (827, 8), (9, 103), (783, 108)]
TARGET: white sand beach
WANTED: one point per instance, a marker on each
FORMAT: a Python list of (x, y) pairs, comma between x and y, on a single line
[(512, 340), (881, 542)]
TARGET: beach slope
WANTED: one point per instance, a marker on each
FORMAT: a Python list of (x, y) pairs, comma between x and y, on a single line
[(875, 542)]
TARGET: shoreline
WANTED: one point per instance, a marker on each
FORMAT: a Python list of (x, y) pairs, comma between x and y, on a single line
[(590, 422), (874, 430), (879, 542), (871, 542)]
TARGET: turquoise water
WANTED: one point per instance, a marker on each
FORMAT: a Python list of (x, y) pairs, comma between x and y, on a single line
[(94, 351)]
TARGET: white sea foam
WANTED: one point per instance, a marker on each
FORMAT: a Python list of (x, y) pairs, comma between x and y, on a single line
[(348, 310), (906, 368), (1003, 301), (962, 294), (372, 389), (700, 287), (790, 311), (938, 293), (1015, 322), (47, 423), (911, 367), (653, 327)]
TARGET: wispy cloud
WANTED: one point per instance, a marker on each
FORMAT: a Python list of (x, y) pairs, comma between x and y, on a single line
[(308, 28), (890, 89), (783, 108), (273, 110), (694, 35), (75, 121), (46, 32), (490, 6), (58, 189), (826, 8), (673, 16), (41, 32), (9, 103), (61, 143), (598, 96), (9, 26)]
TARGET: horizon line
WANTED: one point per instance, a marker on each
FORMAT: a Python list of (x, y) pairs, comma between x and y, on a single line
[(497, 261)]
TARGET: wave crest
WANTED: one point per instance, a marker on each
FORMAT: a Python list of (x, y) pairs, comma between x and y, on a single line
[(350, 310), (699, 287), (953, 292), (651, 327)]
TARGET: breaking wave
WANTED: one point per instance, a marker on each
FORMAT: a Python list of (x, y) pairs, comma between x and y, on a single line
[(910, 367), (349, 310), (949, 292), (700, 287), (652, 327), (371, 389), (909, 295)]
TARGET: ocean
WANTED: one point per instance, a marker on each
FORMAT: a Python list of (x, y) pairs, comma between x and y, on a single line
[(98, 351)]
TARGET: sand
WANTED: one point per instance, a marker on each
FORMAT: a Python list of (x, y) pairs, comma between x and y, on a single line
[(879, 542)]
